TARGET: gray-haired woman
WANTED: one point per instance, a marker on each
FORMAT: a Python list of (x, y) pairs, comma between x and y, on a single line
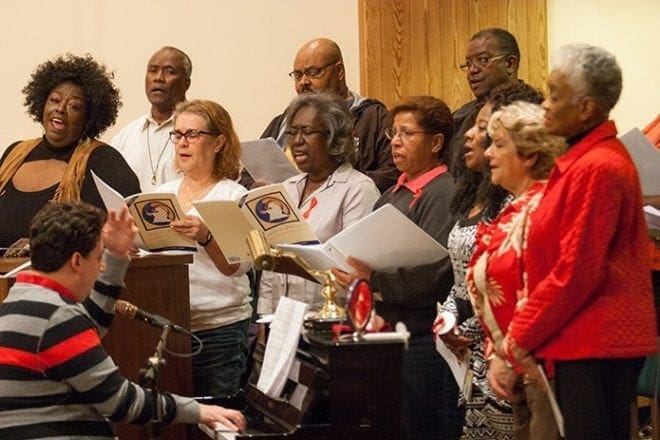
[(590, 307), (331, 194)]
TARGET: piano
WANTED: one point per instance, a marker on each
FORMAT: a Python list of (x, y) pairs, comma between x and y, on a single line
[(336, 390)]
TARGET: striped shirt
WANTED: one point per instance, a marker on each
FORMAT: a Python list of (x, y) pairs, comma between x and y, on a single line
[(56, 379)]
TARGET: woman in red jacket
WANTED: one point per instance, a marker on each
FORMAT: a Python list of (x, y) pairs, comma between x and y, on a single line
[(589, 307)]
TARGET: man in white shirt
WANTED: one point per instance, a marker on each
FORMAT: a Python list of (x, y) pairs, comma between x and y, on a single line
[(145, 142)]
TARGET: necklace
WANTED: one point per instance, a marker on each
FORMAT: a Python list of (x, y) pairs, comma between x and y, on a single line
[(195, 195), (154, 170)]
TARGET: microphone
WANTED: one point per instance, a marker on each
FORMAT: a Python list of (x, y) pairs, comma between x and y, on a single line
[(129, 310)]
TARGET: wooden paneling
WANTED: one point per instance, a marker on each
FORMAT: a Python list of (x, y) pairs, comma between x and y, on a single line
[(413, 47)]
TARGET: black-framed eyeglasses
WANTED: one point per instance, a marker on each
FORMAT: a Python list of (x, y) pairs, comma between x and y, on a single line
[(310, 72), (404, 135), (306, 132), (480, 62), (190, 135)]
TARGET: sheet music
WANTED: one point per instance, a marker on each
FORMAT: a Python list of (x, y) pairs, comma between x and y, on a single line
[(646, 158), (556, 411), (281, 346), (652, 215), (385, 240), (265, 160), (458, 367)]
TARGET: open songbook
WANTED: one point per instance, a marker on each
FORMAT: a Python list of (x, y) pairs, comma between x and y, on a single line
[(152, 213), (268, 209), (385, 240)]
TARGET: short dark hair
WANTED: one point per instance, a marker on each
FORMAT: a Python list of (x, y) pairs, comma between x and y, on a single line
[(432, 114), (59, 230), (510, 92), (505, 39), (102, 98), (186, 62)]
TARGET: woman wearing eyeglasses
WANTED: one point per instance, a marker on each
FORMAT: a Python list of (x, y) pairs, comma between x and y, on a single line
[(207, 153), (422, 126), (331, 194)]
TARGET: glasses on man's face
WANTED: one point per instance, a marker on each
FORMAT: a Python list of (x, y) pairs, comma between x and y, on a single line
[(480, 62), (190, 135), (305, 132), (404, 134), (310, 72)]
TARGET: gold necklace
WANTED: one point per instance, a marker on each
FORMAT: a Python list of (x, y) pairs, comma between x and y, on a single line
[(191, 198), (154, 170)]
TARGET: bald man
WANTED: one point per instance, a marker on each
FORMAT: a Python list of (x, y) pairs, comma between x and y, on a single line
[(319, 66), (145, 143)]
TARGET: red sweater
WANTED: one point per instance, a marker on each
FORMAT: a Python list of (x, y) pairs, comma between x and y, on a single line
[(587, 259)]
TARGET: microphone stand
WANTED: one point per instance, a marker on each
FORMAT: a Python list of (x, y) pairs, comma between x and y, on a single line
[(149, 377)]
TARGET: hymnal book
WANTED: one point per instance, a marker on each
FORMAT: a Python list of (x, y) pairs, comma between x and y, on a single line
[(384, 240), (646, 158), (265, 160), (153, 213), (268, 209)]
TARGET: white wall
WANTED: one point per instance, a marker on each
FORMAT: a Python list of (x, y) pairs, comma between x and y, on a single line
[(628, 29), (241, 50)]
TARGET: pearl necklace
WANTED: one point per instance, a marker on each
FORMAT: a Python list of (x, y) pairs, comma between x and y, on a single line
[(154, 170)]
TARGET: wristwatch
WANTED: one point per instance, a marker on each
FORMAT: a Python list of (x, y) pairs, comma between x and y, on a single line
[(207, 240)]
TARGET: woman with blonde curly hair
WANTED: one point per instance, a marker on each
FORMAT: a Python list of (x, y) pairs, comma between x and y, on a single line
[(521, 156)]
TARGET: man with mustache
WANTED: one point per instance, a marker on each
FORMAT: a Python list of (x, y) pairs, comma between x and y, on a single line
[(145, 142), (319, 67), (492, 59)]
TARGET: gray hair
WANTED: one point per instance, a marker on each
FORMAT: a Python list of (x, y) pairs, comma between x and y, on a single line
[(591, 71), (524, 123), (335, 118)]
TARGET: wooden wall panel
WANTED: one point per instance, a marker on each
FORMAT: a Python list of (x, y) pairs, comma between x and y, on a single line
[(412, 47)]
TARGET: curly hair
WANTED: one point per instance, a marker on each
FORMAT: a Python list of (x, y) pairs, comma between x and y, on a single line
[(524, 123), (335, 118), (474, 187), (227, 162), (102, 98), (59, 230), (432, 115)]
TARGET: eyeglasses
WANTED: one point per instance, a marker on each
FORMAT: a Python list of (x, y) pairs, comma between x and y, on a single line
[(404, 135), (311, 72), (190, 135), (306, 133), (480, 62)]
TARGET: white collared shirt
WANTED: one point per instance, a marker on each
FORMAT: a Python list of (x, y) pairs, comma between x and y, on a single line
[(147, 148)]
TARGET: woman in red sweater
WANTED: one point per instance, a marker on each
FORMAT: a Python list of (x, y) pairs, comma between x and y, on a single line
[(589, 307)]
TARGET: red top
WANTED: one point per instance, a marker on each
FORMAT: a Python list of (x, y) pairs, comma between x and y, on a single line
[(496, 279), (587, 259)]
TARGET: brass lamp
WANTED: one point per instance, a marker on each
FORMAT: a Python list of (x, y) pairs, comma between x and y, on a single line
[(266, 257)]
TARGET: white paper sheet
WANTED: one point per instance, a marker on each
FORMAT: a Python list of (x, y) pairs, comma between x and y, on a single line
[(281, 346), (265, 160)]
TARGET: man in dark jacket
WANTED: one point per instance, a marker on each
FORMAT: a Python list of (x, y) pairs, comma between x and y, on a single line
[(319, 67), (492, 59)]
